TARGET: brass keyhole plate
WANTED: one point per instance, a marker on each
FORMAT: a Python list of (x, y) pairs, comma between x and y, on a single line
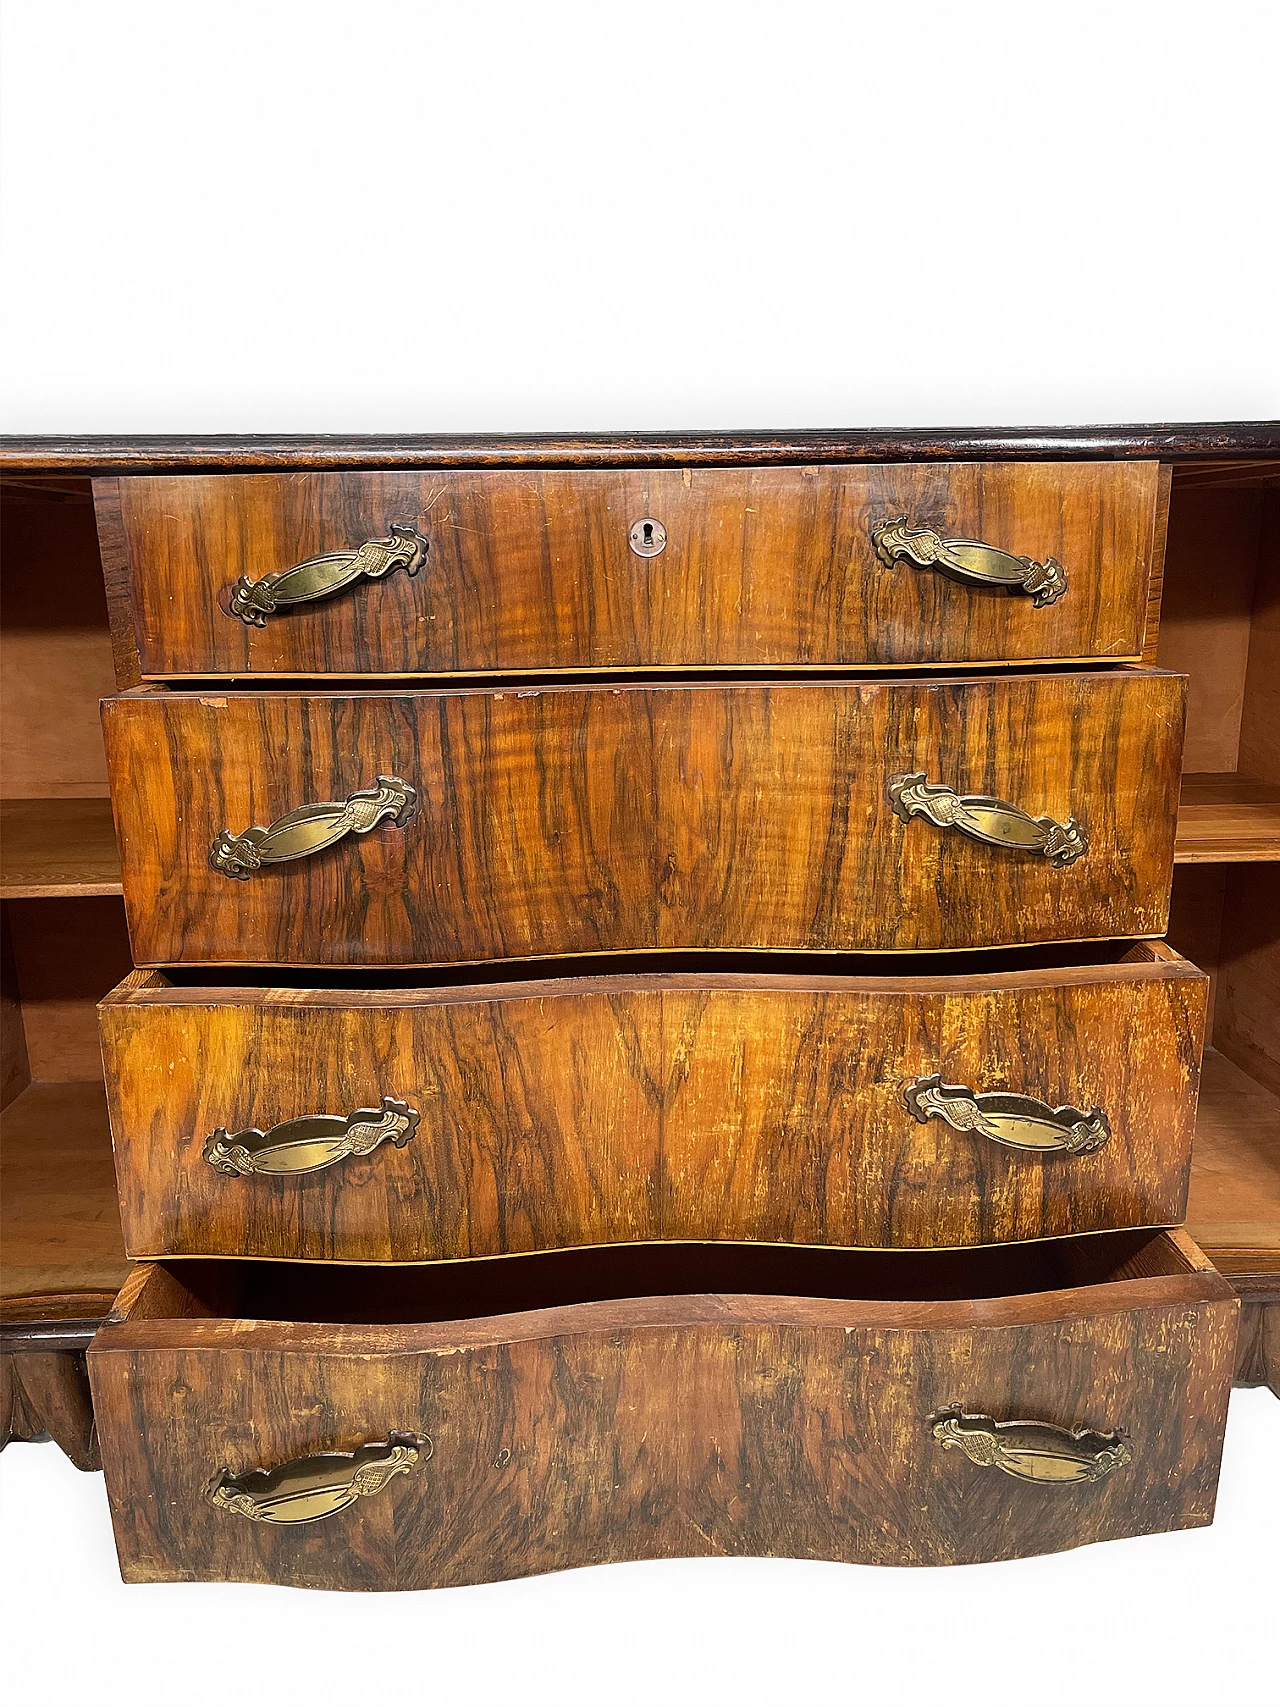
[(647, 537)]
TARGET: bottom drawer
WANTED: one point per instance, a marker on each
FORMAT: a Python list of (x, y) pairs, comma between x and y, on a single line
[(379, 1428)]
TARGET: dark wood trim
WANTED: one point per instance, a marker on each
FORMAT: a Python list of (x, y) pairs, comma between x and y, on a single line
[(71, 1335), (153, 453)]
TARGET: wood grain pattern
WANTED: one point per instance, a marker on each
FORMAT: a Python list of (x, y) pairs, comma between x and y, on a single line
[(1155, 586), (710, 1423), (113, 546), (763, 568), (586, 820), (1195, 442), (585, 1111)]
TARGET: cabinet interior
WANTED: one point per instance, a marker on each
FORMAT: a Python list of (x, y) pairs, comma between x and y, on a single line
[(65, 944), (245, 1290)]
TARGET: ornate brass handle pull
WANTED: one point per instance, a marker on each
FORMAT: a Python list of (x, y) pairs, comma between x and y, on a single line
[(306, 1489), (318, 577), (1017, 1122), (986, 819), (1032, 1451), (970, 561), (311, 1142), (311, 828)]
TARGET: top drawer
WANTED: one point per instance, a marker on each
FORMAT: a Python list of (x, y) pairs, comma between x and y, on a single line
[(479, 571)]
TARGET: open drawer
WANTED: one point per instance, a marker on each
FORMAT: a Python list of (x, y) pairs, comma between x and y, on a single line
[(913, 1101), (418, 1427)]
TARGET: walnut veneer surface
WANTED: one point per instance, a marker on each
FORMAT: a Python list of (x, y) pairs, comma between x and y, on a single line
[(690, 1356), (580, 820), (533, 571), (713, 1422), (577, 1111)]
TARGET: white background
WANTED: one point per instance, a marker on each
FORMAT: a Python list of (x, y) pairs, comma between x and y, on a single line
[(369, 217)]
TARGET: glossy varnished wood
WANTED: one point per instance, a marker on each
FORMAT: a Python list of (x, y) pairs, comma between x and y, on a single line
[(1193, 442), (707, 1421), (583, 1111), (532, 570), (583, 820)]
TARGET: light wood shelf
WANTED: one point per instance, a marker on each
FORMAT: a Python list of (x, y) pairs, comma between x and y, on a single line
[(57, 847), (61, 1248), (1233, 1212), (1226, 817)]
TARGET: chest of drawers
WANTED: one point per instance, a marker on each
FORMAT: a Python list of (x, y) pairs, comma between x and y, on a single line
[(653, 975)]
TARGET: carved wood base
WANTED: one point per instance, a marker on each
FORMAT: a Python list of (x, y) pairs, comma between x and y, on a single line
[(44, 1395), (1258, 1347)]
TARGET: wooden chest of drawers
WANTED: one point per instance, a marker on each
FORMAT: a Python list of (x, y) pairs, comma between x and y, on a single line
[(686, 1065)]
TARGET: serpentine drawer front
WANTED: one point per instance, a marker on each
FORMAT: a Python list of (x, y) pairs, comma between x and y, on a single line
[(523, 570), (459, 1423), (428, 827), (935, 1109)]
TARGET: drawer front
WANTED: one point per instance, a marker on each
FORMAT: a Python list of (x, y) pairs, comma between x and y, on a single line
[(663, 1427), (930, 1111), (428, 828), (513, 570)]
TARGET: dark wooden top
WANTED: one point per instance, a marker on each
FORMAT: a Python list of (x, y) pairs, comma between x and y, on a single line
[(1194, 442)]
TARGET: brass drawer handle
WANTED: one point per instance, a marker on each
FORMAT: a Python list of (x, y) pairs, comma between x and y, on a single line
[(306, 1489), (986, 819), (1032, 1451), (312, 1141), (970, 561), (1017, 1122), (319, 577), (312, 828)]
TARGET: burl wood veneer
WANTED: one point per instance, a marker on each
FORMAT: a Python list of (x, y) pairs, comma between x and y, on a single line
[(575, 820), (622, 1404), (578, 1111), (532, 570)]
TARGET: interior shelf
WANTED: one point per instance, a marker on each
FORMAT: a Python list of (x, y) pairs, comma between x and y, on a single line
[(1233, 1212), (1225, 816), (60, 1239), (57, 847)]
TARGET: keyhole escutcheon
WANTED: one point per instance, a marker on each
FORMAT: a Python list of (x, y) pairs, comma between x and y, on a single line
[(647, 537)]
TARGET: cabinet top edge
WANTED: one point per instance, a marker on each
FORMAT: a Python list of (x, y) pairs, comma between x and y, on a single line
[(157, 453)]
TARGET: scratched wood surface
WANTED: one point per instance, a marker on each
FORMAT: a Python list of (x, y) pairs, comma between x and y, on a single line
[(532, 570), (706, 1423), (592, 1110), (598, 819)]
